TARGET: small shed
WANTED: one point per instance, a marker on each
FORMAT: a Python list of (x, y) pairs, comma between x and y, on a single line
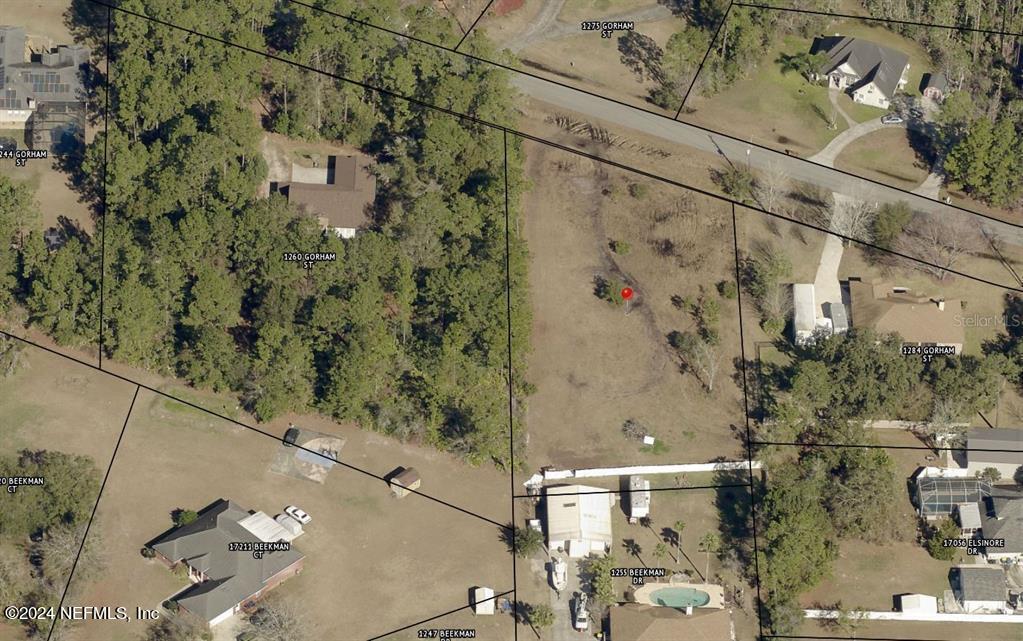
[(406, 480), (934, 86), (639, 498), (483, 601), (918, 604)]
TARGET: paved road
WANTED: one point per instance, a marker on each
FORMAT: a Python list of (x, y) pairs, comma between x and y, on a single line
[(679, 133)]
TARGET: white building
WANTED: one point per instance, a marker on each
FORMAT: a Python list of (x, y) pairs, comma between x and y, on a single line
[(804, 313), (918, 604), (579, 519), (639, 498)]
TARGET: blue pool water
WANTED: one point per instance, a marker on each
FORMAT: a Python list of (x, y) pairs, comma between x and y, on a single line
[(680, 597)]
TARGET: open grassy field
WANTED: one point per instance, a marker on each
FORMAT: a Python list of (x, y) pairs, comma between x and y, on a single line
[(381, 562), (584, 59), (596, 364), (884, 156), (52, 404)]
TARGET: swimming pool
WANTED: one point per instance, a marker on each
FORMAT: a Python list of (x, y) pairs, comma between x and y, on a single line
[(680, 597)]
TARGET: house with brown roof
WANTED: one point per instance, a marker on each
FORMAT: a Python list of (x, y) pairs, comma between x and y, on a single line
[(634, 622), (920, 320), (338, 195)]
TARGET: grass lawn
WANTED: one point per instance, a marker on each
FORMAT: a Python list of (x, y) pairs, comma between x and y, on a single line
[(780, 110), (884, 156), (579, 10), (858, 111)]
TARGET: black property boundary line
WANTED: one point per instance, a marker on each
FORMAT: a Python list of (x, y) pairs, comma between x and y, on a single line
[(706, 54), (749, 436), (106, 174), (565, 148), (619, 102), (88, 526), (511, 391), (256, 430), (474, 23), (443, 614), (911, 23)]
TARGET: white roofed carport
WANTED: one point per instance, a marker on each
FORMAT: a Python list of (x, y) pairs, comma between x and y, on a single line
[(264, 528)]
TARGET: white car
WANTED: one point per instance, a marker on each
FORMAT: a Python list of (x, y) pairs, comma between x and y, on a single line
[(891, 119), (582, 616), (298, 514)]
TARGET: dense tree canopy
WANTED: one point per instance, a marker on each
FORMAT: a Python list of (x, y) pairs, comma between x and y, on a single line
[(407, 329)]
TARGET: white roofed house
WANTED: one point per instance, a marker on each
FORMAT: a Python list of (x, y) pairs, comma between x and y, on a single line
[(579, 519), (804, 313)]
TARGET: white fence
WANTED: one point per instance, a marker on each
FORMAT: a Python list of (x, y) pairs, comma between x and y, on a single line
[(721, 466), (915, 616)]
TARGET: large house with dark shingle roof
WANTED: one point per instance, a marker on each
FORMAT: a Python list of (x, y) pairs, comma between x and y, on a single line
[(870, 73), (1001, 520), (225, 581)]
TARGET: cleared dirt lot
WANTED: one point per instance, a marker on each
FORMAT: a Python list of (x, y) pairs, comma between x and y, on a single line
[(594, 365), (376, 562)]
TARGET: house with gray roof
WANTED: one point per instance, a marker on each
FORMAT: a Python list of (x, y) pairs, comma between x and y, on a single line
[(980, 588), (1000, 448), (1001, 520), (868, 72), (225, 581)]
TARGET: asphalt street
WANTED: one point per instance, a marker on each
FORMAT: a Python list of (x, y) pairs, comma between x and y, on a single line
[(741, 151)]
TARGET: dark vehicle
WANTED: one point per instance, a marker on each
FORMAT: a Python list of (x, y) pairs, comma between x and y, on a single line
[(8, 144), (290, 437)]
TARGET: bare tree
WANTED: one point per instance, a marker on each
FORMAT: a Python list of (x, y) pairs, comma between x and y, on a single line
[(771, 187), (852, 218), (699, 356), (278, 620), (939, 241), (59, 547)]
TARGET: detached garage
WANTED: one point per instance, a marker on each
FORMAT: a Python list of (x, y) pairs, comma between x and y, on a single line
[(579, 519)]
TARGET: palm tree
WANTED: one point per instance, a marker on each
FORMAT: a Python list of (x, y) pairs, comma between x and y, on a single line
[(679, 526), (660, 551), (709, 544)]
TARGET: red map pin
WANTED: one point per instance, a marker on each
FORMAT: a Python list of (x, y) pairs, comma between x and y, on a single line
[(626, 293)]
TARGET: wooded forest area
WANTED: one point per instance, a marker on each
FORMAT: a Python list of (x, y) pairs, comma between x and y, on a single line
[(406, 332)]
